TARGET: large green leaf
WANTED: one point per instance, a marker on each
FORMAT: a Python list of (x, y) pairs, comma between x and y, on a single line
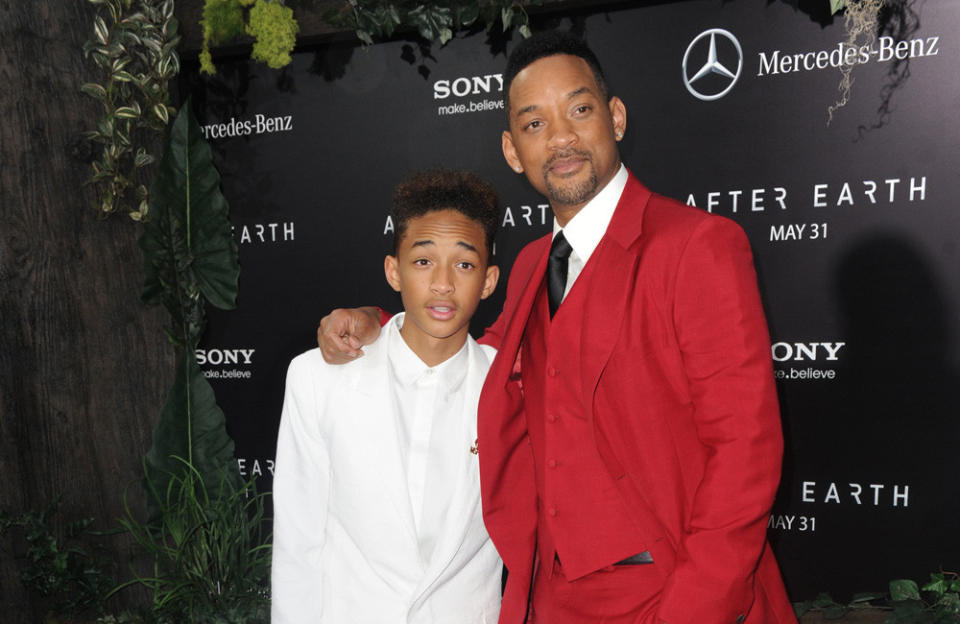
[(904, 589), (192, 428), (188, 242), (189, 256)]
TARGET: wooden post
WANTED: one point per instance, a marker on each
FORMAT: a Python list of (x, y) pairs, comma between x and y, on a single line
[(84, 366)]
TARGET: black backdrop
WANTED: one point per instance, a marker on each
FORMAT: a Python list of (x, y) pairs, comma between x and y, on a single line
[(854, 227)]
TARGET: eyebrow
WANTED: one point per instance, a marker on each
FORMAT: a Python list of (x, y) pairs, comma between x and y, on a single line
[(425, 242), (570, 96)]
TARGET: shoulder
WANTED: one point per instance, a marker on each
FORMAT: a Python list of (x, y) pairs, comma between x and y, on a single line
[(306, 362), (310, 368), (526, 261), (676, 224), (533, 250)]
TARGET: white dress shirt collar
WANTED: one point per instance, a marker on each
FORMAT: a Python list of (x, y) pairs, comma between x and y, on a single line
[(588, 226), (409, 369)]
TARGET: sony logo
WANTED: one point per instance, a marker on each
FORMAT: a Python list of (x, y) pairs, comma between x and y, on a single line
[(802, 351), (460, 87), (224, 356)]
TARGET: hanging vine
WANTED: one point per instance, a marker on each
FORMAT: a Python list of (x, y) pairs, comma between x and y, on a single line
[(860, 22), (134, 48)]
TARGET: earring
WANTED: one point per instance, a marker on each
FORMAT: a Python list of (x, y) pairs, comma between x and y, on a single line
[(517, 168), (619, 134)]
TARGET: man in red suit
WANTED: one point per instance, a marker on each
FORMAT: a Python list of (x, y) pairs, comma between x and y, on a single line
[(629, 435)]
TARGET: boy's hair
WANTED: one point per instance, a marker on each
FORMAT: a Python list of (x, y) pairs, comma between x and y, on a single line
[(549, 43), (444, 189)]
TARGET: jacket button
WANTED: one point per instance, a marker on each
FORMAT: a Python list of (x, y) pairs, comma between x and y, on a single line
[(741, 618), (552, 371), (552, 511), (552, 463), (551, 417)]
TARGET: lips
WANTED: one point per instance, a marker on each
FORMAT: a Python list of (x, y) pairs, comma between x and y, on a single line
[(566, 166), (441, 311), (566, 162)]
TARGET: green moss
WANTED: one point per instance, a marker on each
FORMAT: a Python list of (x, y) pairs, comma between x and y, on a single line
[(275, 30), (222, 20)]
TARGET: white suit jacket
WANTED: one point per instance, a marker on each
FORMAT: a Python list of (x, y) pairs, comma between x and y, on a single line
[(345, 549)]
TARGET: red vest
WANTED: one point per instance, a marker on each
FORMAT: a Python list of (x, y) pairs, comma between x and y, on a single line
[(581, 516)]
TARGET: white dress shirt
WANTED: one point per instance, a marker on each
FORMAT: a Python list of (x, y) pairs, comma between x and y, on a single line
[(429, 408), (588, 226)]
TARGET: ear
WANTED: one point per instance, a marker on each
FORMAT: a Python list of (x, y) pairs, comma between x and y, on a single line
[(392, 270), (510, 152), (619, 114), (490, 281)]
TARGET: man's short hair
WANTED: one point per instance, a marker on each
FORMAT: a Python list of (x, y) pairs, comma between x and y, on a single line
[(549, 43), (444, 189)]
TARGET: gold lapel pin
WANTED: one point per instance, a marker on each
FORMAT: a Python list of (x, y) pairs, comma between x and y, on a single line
[(475, 448)]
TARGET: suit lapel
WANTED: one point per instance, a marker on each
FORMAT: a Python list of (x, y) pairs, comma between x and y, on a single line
[(383, 434), (611, 287)]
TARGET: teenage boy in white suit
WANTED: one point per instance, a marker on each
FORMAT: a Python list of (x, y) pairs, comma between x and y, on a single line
[(376, 490)]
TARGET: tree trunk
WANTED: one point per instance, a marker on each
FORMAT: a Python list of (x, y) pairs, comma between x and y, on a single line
[(84, 366)]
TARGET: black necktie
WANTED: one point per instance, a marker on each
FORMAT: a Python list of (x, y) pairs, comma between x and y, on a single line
[(557, 271)]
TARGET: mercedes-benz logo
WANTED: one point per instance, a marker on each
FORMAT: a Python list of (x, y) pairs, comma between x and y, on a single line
[(713, 65)]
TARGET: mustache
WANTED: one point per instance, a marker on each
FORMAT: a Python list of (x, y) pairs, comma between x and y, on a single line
[(564, 154)]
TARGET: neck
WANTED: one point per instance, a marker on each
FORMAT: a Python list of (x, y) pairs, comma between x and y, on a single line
[(564, 212), (432, 351)]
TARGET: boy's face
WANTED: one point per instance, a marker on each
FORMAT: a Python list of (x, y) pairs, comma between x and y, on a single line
[(441, 273)]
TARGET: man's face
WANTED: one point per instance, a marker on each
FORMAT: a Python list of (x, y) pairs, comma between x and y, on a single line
[(441, 273), (563, 134)]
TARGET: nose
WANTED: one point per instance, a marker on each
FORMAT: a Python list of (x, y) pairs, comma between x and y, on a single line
[(562, 135), (442, 283)]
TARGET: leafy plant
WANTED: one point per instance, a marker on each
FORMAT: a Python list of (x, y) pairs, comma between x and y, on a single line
[(433, 21), (190, 258), (58, 567), (211, 561), (937, 602), (134, 47), (203, 534)]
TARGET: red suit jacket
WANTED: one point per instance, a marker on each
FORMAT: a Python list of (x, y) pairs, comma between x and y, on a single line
[(675, 354)]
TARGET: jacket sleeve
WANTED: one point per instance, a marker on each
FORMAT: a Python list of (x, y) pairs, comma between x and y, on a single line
[(725, 349), (300, 496)]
